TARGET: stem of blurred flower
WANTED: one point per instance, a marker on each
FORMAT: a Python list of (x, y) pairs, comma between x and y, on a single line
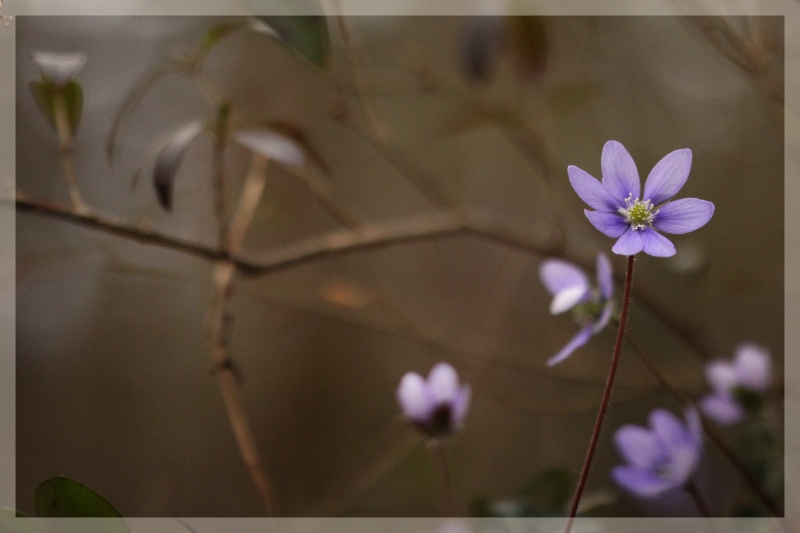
[(601, 413), (752, 483), (694, 492), (65, 149), (437, 450), (219, 323)]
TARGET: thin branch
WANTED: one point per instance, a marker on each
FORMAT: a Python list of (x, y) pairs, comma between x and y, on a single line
[(219, 324)]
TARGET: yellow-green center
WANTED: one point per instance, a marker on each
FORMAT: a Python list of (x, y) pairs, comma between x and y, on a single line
[(638, 213)]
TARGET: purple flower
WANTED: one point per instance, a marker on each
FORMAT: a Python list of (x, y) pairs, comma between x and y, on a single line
[(592, 306), (738, 385), (661, 458), (634, 219), (437, 406)]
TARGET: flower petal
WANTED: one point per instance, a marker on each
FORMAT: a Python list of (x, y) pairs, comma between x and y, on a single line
[(721, 375), (694, 425), (443, 383), (605, 276), (620, 176), (581, 338), (605, 318), (461, 404), (639, 446), (670, 430), (752, 367), (272, 144), (639, 481), (630, 243), (567, 299), (59, 68), (656, 244), (592, 191), (683, 216), (668, 176), (722, 409), (558, 275), (413, 397), (609, 224)]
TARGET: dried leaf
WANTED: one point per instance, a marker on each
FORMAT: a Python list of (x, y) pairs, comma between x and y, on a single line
[(169, 159)]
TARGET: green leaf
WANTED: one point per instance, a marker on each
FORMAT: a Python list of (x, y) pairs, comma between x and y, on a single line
[(45, 93), (42, 92), (65, 497), (73, 101), (307, 35)]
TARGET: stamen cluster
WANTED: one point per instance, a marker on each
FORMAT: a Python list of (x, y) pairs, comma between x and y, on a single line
[(639, 214)]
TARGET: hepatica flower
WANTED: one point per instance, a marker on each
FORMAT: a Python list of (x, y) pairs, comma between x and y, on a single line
[(660, 458), (437, 406), (738, 385), (571, 290), (635, 219)]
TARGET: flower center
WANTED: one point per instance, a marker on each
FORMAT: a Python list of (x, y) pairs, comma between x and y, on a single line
[(639, 214)]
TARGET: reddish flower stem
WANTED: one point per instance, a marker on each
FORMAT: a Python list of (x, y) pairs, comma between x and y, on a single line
[(601, 413)]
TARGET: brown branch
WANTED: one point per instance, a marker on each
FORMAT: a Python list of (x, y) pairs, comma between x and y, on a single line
[(219, 324)]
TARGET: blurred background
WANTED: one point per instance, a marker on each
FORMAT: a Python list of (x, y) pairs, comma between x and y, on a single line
[(407, 116)]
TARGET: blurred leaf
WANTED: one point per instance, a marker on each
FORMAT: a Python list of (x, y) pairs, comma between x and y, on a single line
[(44, 93), (67, 498), (73, 100), (482, 42), (529, 43), (169, 158), (307, 35), (549, 492), (216, 33), (13, 521), (132, 100), (345, 293)]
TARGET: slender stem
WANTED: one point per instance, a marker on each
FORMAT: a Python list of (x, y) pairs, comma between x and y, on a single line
[(219, 324), (437, 449), (601, 413), (694, 492), (691, 488), (752, 483), (65, 149)]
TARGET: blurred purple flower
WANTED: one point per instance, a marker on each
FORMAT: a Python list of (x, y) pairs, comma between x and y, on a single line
[(592, 306), (437, 406), (619, 211), (738, 385), (661, 458)]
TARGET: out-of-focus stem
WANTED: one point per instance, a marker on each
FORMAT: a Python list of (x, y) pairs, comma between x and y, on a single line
[(65, 149), (219, 323), (220, 142), (437, 450), (601, 413)]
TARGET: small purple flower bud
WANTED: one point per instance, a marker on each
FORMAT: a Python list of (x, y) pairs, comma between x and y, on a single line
[(437, 406), (738, 385)]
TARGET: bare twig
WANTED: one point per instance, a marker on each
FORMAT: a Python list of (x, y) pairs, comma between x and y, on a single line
[(219, 323)]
